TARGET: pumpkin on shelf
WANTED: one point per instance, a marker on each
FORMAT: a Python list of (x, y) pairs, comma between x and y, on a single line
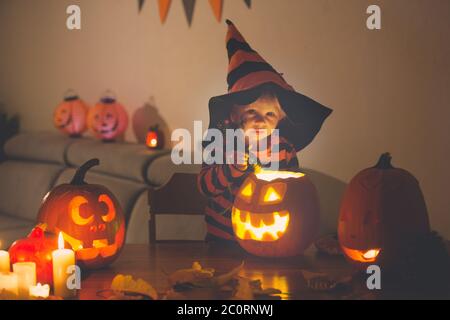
[(70, 115), (88, 216), (108, 119), (37, 247), (382, 210), (276, 213), (154, 138)]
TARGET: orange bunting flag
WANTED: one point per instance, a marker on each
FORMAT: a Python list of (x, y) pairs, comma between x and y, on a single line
[(216, 6), (164, 6)]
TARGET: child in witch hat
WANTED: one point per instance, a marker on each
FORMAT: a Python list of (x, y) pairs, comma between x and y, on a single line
[(258, 99)]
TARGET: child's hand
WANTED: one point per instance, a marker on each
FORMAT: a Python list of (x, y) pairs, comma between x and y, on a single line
[(242, 161), (239, 160)]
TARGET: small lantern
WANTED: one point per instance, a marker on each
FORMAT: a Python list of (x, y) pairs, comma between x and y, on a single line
[(70, 115), (154, 138), (108, 119), (276, 213)]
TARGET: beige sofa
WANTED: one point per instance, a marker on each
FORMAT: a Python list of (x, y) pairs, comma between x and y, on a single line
[(36, 162)]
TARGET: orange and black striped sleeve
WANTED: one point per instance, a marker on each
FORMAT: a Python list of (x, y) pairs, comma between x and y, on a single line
[(215, 179)]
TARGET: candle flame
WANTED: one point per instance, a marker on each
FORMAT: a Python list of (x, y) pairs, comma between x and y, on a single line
[(60, 241)]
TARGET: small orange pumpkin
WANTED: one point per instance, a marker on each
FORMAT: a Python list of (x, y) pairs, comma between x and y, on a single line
[(70, 116), (89, 217), (383, 209), (276, 213), (108, 119)]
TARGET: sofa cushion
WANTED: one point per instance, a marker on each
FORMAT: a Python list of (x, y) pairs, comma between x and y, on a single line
[(162, 169), (23, 186), (127, 160), (12, 229), (126, 191), (39, 146)]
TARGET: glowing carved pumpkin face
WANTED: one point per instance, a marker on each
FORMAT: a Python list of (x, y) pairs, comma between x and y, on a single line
[(276, 213), (107, 119), (89, 218), (70, 116), (382, 209)]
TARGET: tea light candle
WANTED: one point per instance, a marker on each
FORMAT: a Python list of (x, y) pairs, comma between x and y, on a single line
[(40, 291), (26, 274), (9, 284), (4, 261), (62, 259)]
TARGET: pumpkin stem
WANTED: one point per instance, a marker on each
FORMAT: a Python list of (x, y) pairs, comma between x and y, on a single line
[(78, 178), (384, 162)]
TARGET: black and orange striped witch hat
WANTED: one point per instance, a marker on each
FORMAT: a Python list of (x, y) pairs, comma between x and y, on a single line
[(249, 75)]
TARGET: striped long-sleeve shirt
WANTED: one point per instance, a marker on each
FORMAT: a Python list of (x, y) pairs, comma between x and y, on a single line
[(221, 182)]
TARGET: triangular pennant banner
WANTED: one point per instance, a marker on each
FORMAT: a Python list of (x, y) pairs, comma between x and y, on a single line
[(164, 6), (189, 10), (140, 4), (248, 3), (217, 6)]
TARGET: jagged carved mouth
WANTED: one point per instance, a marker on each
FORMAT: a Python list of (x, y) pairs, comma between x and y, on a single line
[(362, 255), (259, 226), (100, 247), (69, 121), (114, 128)]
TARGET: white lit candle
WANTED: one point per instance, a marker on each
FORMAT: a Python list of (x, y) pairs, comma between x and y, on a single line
[(39, 291), (62, 259), (4, 261), (26, 274), (9, 285)]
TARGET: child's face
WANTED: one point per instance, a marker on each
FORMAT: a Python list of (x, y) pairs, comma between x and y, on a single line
[(261, 115)]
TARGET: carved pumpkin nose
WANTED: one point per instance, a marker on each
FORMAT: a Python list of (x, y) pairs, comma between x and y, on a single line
[(100, 227)]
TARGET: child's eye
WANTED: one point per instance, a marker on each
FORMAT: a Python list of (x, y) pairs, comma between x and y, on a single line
[(271, 114), (250, 111)]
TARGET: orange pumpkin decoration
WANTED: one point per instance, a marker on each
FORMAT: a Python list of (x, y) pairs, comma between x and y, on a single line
[(108, 119), (154, 138), (70, 116), (276, 213), (89, 217), (382, 210)]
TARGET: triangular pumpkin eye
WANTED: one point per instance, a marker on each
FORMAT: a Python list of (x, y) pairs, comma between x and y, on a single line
[(247, 191), (271, 195)]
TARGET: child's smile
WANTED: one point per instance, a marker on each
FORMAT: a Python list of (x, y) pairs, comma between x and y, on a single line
[(262, 116)]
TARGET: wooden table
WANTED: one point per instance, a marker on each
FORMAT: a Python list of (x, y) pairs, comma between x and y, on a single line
[(153, 263)]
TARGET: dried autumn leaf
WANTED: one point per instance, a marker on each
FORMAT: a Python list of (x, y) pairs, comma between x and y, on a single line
[(322, 281), (196, 275), (126, 283)]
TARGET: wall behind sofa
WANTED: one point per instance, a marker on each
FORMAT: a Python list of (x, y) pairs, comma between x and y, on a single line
[(388, 88)]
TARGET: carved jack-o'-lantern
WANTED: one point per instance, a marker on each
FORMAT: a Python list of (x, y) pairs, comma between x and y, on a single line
[(89, 218), (382, 210), (108, 119), (70, 116), (276, 213)]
